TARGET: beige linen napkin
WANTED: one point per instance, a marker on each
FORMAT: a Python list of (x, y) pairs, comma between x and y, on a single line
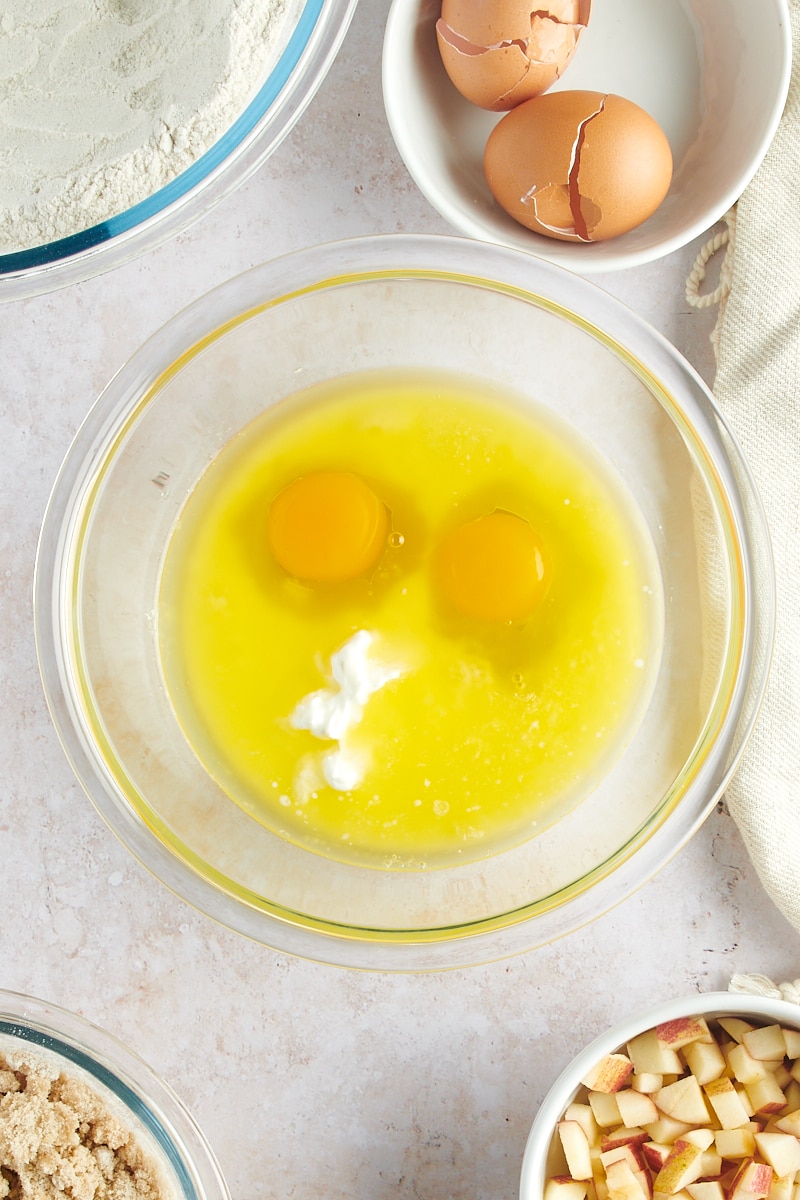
[(757, 385)]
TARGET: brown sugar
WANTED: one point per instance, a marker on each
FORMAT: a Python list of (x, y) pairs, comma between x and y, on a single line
[(60, 1141)]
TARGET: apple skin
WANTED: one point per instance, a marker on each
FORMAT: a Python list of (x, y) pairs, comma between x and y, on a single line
[(781, 1151), (610, 1074), (655, 1154), (753, 1179), (624, 1137), (682, 1031), (683, 1166)]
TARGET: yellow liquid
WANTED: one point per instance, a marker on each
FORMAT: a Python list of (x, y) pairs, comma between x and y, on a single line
[(494, 730)]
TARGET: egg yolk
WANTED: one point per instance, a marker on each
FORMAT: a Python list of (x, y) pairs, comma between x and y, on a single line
[(493, 568), (327, 527)]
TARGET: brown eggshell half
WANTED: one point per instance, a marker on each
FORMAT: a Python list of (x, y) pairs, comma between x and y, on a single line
[(499, 53), (625, 168), (578, 166), (490, 22)]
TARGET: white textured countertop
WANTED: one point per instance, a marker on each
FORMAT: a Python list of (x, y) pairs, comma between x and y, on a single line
[(309, 1081)]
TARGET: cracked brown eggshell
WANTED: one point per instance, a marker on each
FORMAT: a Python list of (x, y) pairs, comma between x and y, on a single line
[(499, 53), (578, 166)]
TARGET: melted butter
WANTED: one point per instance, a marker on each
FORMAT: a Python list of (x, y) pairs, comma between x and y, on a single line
[(497, 728)]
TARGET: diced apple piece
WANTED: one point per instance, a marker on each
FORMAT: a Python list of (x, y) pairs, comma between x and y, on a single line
[(636, 1108), (766, 1043), (656, 1154), (707, 1189), (790, 1123), (648, 1082), (792, 1039), (725, 1101), (681, 1168), (702, 1137), (782, 1076), (705, 1060), (782, 1188), (735, 1143), (741, 1092), (752, 1180), (623, 1183), (650, 1057), (792, 1093), (735, 1027), (667, 1130), (632, 1155), (609, 1074), (746, 1068), (622, 1136), (683, 1101), (583, 1114), (765, 1095), (781, 1151), (794, 1070), (605, 1109), (564, 1187), (712, 1164), (683, 1030), (575, 1145)]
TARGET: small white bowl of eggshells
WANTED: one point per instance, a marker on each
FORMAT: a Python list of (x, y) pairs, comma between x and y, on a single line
[(698, 1099), (596, 135)]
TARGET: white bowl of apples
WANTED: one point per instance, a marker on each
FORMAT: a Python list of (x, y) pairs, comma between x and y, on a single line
[(698, 1099)]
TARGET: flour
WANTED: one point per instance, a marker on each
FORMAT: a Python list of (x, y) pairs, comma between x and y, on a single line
[(102, 102)]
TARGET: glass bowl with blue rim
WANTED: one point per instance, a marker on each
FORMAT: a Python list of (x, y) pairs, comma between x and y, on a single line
[(306, 45), (35, 1030)]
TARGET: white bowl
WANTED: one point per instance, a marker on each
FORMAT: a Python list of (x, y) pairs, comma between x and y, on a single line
[(712, 75), (759, 1009)]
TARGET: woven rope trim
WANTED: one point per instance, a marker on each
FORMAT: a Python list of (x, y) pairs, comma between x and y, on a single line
[(697, 275), (760, 985)]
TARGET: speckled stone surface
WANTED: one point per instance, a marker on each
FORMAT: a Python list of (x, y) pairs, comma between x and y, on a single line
[(309, 1081)]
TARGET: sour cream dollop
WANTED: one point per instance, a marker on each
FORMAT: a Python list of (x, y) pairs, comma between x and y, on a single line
[(332, 712)]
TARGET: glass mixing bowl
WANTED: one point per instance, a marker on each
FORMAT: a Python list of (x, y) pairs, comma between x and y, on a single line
[(133, 1093), (400, 303), (311, 33)]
